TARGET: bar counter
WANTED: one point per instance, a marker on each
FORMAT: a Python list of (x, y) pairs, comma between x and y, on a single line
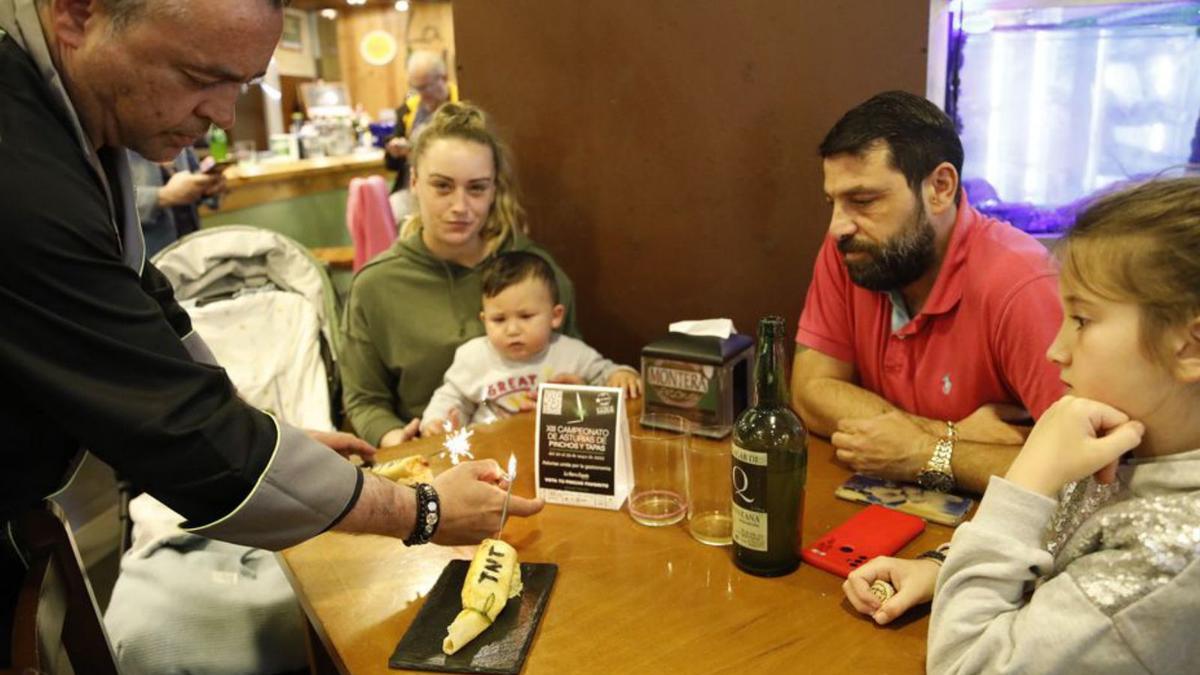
[(628, 599), (251, 184)]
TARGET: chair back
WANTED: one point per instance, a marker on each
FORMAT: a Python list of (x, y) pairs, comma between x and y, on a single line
[(56, 623)]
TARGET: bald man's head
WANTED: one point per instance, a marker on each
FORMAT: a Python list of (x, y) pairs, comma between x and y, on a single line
[(427, 77)]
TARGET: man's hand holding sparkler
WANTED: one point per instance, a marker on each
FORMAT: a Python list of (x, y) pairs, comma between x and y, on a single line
[(472, 496)]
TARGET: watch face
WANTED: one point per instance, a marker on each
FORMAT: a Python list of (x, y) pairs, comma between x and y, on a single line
[(935, 480)]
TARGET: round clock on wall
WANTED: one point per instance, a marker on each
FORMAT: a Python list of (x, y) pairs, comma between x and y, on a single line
[(378, 48)]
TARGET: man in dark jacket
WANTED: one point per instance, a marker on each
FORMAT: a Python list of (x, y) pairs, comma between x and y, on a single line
[(94, 351)]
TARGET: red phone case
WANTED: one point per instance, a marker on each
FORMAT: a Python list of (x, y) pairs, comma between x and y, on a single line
[(874, 531)]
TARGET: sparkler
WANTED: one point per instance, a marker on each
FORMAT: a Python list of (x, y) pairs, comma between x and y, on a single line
[(512, 478), (457, 445)]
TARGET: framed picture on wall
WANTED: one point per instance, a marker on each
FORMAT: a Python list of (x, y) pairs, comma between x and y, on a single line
[(325, 99), (293, 30)]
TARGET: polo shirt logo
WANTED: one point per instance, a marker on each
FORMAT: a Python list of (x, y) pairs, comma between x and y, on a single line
[(947, 385)]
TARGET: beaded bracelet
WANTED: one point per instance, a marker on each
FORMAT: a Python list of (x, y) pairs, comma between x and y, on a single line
[(429, 514)]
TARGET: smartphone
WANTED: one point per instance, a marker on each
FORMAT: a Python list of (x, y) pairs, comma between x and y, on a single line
[(872, 532), (210, 166), (943, 508)]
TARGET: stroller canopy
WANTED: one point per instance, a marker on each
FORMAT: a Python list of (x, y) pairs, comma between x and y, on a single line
[(222, 262)]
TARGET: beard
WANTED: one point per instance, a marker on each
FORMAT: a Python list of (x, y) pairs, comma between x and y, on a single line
[(897, 262)]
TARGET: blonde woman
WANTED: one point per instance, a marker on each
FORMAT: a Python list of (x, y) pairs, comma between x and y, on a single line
[(411, 307)]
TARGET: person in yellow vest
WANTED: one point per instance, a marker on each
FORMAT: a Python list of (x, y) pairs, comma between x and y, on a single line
[(427, 78)]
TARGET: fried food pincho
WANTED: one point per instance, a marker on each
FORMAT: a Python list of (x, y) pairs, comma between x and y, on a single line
[(408, 470), (493, 577)]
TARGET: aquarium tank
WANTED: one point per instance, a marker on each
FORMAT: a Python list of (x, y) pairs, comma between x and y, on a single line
[(1058, 100)]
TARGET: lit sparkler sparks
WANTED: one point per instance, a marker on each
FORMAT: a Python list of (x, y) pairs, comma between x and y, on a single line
[(457, 444), (512, 467)]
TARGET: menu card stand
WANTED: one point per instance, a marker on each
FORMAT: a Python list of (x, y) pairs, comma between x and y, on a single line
[(581, 448)]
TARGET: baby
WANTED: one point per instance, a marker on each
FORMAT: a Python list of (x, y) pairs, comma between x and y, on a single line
[(498, 373)]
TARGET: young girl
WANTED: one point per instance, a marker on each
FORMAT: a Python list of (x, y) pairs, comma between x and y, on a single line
[(1078, 560)]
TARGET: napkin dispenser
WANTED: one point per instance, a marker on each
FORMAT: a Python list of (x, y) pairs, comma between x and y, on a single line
[(703, 379)]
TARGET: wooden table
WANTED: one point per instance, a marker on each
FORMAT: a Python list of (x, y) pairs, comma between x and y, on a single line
[(628, 599)]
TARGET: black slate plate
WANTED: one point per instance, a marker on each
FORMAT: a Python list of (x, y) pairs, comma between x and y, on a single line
[(499, 649)]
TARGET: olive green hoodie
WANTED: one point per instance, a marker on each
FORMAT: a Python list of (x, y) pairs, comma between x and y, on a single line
[(407, 313)]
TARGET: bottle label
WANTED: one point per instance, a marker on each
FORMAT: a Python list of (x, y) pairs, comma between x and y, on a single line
[(750, 498)]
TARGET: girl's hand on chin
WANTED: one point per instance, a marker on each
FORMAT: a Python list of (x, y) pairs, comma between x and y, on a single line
[(1075, 438)]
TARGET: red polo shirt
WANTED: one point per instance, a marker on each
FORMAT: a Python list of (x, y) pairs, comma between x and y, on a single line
[(980, 338)]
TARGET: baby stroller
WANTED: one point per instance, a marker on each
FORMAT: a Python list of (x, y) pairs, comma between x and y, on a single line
[(185, 603), (269, 313)]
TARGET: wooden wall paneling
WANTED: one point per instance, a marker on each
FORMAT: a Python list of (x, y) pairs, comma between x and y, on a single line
[(667, 148), (431, 27), (250, 123), (329, 65), (375, 87), (297, 59)]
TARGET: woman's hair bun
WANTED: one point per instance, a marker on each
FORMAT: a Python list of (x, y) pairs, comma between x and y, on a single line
[(452, 116)]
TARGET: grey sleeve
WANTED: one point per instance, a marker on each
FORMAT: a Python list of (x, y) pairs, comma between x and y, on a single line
[(594, 368), (306, 489), (147, 181), (147, 203), (984, 619), (198, 348)]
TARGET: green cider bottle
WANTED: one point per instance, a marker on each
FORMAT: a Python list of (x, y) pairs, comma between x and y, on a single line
[(770, 466), (218, 143)]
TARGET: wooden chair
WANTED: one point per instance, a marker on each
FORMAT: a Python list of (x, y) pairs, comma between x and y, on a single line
[(56, 623)]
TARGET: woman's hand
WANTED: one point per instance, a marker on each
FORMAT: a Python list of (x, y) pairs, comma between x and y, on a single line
[(913, 580), (400, 434), (472, 500), (627, 380), (1076, 437)]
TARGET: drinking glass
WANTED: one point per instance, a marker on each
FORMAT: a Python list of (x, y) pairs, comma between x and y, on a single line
[(709, 490), (659, 489), (243, 151)]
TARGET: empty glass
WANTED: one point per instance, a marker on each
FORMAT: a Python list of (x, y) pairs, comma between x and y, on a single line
[(243, 151), (709, 491), (659, 489)]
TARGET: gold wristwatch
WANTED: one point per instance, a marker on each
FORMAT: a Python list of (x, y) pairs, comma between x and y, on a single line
[(937, 474)]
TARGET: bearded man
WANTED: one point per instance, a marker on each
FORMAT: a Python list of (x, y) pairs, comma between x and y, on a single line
[(921, 347)]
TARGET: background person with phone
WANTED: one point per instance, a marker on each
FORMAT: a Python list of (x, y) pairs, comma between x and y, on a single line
[(169, 195)]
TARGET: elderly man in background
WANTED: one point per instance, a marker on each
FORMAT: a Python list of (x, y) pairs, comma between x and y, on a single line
[(926, 325), (427, 78), (94, 351)]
